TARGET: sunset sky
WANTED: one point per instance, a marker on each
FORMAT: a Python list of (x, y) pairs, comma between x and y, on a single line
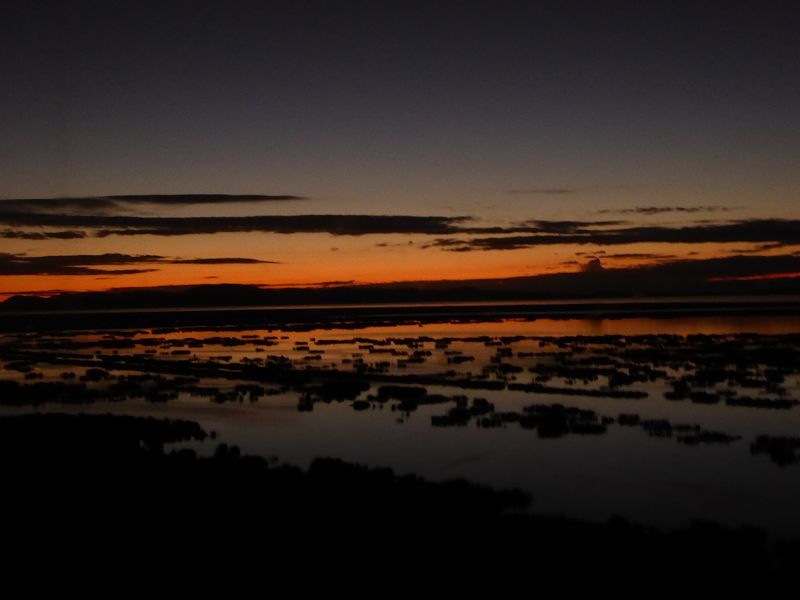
[(470, 139)]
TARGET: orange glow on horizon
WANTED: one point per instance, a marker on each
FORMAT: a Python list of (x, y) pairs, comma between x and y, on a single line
[(317, 260)]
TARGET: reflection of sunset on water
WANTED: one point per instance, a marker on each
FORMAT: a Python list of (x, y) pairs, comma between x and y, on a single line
[(421, 396)]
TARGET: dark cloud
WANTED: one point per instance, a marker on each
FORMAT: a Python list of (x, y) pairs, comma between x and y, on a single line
[(758, 231), (541, 226), (220, 261), (540, 191), (20, 264), (87, 264), (593, 266), (733, 274), (761, 248), (104, 225), (42, 235), (729, 266), (641, 255), (658, 210), (113, 272), (314, 284), (395, 245), (202, 198), (109, 204), (52, 292)]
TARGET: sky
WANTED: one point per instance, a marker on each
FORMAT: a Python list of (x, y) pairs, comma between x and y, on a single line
[(297, 142)]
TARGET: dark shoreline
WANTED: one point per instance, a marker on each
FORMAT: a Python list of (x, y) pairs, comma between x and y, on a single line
[(344, 317), (89, 497)]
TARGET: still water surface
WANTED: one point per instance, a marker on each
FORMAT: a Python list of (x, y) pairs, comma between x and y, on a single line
[(623, 471)]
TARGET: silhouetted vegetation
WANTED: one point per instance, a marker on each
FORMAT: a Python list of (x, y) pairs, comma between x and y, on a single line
[(703, 369), (782, 450), (87, 498)]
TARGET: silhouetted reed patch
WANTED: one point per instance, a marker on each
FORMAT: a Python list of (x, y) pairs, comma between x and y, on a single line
[(94, 497)]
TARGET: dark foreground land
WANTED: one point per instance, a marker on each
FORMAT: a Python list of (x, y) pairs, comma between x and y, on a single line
[(93, 498)]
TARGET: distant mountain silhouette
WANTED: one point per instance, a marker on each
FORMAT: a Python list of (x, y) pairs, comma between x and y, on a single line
[(738, 275)]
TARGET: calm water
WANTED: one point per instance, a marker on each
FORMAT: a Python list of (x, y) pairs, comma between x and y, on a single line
[(622, 471)]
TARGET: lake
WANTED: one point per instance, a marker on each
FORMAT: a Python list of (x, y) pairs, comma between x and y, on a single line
[(660, 420)]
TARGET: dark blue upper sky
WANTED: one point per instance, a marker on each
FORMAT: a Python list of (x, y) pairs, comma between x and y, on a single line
[(404, 106)]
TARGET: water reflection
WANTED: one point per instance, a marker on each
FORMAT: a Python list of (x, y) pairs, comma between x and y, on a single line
[(662, 420)]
